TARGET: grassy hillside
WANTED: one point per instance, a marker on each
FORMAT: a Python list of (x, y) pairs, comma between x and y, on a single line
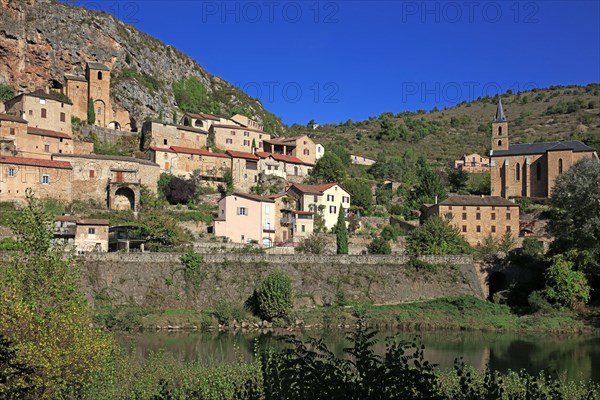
[(558, 112)]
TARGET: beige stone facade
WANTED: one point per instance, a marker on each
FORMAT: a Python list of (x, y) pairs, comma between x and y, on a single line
[(244, 169), (11, 127), (111, 180), (361, 160), (247, 122), (46, 178), (477, 217), (323, 199), (301, 147), (529, 170), (162, 135), (473, 163), (183, 161), (42, 110), (202, 121), (246, 218), (85, 235), (235, 137)]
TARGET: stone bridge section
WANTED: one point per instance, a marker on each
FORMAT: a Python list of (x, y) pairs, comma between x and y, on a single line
[(157, 279)]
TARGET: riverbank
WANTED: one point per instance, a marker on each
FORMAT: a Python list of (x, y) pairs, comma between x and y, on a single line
[(456, 312)]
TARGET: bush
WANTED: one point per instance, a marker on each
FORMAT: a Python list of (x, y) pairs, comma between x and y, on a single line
[(191, 95), (274, 297), (313, 244), (179, 191), (564, 286), (390, 233), (437, 237), (225, 312), (6, 92), (379, 246)]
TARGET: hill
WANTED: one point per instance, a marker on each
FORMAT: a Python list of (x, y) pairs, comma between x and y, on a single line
[(555, 113), (42, 40)]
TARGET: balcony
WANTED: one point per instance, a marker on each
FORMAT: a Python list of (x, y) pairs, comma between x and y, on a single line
[(288, 220)]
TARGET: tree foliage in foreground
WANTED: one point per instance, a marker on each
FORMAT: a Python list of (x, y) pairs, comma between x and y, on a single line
[(341, 232), (43, 313), (437, 237)]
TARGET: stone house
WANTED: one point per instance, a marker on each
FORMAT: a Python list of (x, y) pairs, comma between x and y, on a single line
[(323, 200), (96, 86), (291, 225), (202, 120), (473, 163), (85, 235), (301, 147), (244, 169), (46, 178), (246, 218), (284, 166), (158, 134), (360, 160), (42, 110), (114, 181), (236, 137), (246, 122), (477, 217), (529, 170), (11, 127), (183, 161), (320, 151)]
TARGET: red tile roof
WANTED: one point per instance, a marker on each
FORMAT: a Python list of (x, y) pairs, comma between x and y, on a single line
[(201, 152), (37, 162), (242, 154), (161, 149), (45, 132), (80, 221), (254, 197), (203, 116), (318, 189), (13, 118), (281, 157), (239, 127)]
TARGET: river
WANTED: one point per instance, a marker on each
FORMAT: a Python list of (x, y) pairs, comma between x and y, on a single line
[(575, 356)]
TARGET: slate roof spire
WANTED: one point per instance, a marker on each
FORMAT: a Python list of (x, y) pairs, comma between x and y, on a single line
[(500, 117)]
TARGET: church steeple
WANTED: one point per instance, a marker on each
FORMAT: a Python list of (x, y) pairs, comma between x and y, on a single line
[(500, 117), (500, 129)]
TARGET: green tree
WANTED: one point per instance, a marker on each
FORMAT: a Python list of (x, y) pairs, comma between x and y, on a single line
[(458, 179), (436, 237), (314, 244), (341, 151), (329, 169), (564, 286), (91, 113), (379, 246), (6, 92), (575, 222), (43, 313), (359, 189), (341, 232), (174, 117), (274, 296), (191, 95)]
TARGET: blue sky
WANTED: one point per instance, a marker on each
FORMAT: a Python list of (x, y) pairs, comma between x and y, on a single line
[(338, 60)]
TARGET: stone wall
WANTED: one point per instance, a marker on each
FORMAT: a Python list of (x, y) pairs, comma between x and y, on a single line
[(157, 280)]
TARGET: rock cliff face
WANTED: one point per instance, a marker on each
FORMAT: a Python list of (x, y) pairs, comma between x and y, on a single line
[(42, 40)]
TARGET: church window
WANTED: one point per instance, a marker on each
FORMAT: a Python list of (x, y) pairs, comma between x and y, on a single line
[(499, 131), (560, 166), (518, 172), (499, 142), (99, 75)]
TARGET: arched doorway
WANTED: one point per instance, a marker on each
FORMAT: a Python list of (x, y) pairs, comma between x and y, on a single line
[(114, 125), (124, 199), (497, 282)]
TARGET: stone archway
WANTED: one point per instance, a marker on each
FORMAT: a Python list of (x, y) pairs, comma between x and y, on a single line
[(497, 282), (124, 196), (114, 125)]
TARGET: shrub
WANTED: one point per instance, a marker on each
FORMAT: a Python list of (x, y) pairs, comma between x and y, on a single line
[(437, 237), (192, 274), (225, 312), (379, 246), (191, 95), (390, 233), (6, 92), (274, 296), (179, 191), (564, 286), (313, 244)]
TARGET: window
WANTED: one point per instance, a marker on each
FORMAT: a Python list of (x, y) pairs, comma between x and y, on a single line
[(345, 199), (464, 216), (518, 172), (330, 197), (12, 172), (165, 142), (493, 216), (99, 110), (560, 166), (42, 101), (12, 131), (62, 117), (120, 176), (242, 211), (508, 215), (260, 145), (539, 171), (464, 228), (493, 228), (45, 179), (464, 208), (183, 135), (449, 215), (478, 216), (92, 173), (499, 131), (478, 228), (228, 141), (30, 112), (332, 209), (246, 133), (315, 198), (306, 152), (303, 228), (47, 148), (246, 143), (99, 75), (232, 133), (44, 113), (91, 231), (499, 142), (508, 229)]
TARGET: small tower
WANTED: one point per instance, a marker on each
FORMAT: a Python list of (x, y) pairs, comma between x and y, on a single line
[(98, 76), (500, 129)]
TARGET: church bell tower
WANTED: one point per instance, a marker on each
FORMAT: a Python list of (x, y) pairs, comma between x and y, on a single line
[(500, 129)]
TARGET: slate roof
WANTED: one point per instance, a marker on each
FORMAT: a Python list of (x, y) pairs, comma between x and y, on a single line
[(37, 162), (96, 65), (13, 118), (465, 200), (500, 117), (203, 116), (254, 197), (540, 148), (40, 93), (75, 78)]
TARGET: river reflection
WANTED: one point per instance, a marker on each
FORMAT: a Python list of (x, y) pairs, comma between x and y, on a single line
[(578, 357)]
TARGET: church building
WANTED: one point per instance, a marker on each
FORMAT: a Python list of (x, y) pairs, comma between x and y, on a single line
[(529, 169)]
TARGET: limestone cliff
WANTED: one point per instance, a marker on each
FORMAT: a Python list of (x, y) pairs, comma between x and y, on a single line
[(42, 40)]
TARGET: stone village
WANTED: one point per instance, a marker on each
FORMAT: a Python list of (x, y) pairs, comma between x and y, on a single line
[(38, 150)]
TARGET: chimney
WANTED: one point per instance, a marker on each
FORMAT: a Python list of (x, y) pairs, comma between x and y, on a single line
[(436, 200)]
